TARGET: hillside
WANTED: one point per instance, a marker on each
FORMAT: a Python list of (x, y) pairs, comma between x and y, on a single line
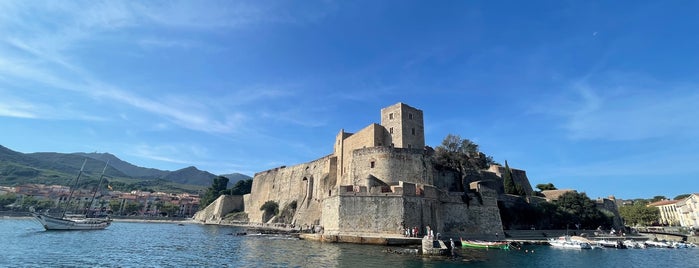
[(59, 168)]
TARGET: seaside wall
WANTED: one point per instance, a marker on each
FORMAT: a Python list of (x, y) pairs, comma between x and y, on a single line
[(470, 219), (362, 212), (305, 183), (223, 205)]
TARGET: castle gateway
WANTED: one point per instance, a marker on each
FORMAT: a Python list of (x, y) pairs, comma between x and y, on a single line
[(378, 180)]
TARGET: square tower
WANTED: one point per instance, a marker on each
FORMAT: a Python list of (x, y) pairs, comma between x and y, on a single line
[(405, 125)]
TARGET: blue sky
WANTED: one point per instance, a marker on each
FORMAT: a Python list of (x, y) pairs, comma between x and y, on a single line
[(596, 96)]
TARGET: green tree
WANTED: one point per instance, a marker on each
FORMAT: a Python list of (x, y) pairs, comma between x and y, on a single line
[(7, 199), (658, 198), (115, 205), (682, 196), (639, 214), (218, 187), (37, 204), (509, 183), (546, 187), (579, 209), (242, 187), (461, 155), (270, 209), (132, 207), (170, 209)]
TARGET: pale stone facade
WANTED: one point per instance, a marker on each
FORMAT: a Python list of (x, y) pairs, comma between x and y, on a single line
[(378, 181), (688, 211), (668, 212)]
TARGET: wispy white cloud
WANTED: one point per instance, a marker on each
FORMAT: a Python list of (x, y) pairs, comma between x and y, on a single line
[(626, 108), (171, 153)]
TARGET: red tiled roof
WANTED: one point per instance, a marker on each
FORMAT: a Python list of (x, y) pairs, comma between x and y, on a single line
[(663, 203)]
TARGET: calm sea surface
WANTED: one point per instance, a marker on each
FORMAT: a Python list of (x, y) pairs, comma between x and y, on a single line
[(24, 243)]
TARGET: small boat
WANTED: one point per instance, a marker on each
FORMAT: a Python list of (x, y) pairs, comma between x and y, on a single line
[(74, 222), (71, 223), (484, 244), (657, 244), (612, 244), (633, 244), (567, 241)]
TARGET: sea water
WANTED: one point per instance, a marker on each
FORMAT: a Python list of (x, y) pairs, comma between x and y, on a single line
[(24, 243)]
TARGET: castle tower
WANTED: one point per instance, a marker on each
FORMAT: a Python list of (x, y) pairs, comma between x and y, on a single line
[(405, 125)]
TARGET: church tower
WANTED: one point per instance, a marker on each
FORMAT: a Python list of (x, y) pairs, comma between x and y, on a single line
[(405, 125)]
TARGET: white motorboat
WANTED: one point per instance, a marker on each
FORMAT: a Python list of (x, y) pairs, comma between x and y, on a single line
[(573, 242)]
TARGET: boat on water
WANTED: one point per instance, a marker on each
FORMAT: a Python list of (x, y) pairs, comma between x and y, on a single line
[(657, 244), (611, 244), (573, 242), (634, 244), (485, 244), (71, 223), (74, 222)]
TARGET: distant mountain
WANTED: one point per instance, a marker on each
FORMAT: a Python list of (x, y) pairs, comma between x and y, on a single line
[(235, 177), (59, 168), (191, 175), (126, 167)]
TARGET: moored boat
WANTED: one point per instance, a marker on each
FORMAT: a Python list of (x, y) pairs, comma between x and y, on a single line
[(485, 244), (657, 244), (74, 222), (567, 241), (71, 223), (612, 244)]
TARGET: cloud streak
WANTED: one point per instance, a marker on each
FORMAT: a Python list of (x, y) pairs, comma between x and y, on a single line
[(626, 110)]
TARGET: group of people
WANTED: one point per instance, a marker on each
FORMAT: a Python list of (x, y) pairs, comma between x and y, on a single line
[(411, 232), (415, 232)]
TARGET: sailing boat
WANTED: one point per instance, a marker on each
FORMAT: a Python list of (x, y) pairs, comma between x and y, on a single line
[(74, 222)]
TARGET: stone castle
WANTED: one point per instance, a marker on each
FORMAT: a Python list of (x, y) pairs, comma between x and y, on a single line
[(378, 181)]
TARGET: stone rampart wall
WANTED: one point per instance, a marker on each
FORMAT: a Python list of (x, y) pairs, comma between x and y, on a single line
[(223, 205), (446, 213), (391, 165), (370, 214), (306, 183), (518, 176)]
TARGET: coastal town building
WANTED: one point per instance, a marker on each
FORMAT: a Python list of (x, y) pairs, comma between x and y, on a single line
[(149, 204), (688, 211), (668, 212)]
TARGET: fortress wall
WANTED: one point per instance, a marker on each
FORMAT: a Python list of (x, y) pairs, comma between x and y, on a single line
[(304, 183), (391, 165), (330, 218), (223, 205), (362, 214), (610, 206), (472, 220), (447, 180), (518, 176)]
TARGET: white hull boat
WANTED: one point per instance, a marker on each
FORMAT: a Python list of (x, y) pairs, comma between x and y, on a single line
[(64, 223), (569, 242), (74, 222)]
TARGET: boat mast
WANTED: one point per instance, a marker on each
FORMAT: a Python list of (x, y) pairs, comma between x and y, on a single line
[(94, 193), (72, 189)]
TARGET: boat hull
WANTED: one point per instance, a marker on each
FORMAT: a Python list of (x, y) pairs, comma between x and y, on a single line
[(485, 245), (55, 223), (568, 242)]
